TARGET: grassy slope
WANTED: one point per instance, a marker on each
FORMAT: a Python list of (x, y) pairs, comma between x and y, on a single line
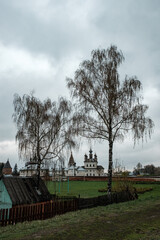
[(138, 219)]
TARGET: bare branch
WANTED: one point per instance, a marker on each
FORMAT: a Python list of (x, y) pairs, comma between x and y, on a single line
[(106, 108)]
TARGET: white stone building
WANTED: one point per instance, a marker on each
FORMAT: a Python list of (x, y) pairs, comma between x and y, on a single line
[(90, 168), (72, 170), (31, 170), (91, 165)]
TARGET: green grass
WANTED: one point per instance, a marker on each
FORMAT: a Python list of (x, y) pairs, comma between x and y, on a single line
[(85, 189), (139, 219), (76, 188)]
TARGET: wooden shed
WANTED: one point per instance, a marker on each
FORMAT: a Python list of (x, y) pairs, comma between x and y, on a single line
[(21, 190)]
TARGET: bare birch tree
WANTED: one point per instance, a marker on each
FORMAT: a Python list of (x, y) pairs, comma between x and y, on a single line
[(107, 109), (43, 128)]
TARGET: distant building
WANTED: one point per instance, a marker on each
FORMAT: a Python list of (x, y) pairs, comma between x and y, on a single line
[(7, 170), (91, 165), (28, 171), (72, 170), (71, 161), (31, 170), (90, 168)]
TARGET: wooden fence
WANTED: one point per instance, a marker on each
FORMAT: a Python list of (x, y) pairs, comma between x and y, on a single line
[(106, 200), (44, 210), (37, 211)]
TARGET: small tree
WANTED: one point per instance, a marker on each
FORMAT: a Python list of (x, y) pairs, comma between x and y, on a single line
[(138, 169), (150, 169), (1, 167), (15, 170), (43, 128), (157, 171), (107, 109)]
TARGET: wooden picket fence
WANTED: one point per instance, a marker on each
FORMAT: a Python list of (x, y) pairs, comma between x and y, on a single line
[(36, 211), (44, 210)]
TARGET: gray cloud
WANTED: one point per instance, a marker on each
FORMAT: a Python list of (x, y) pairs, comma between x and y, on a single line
[(43, 41)]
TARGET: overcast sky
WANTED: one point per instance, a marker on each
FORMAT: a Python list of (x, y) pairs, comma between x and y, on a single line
[(43, 41)]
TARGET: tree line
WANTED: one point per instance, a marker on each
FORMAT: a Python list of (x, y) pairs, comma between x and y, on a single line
[(149, 169), (103, 108)]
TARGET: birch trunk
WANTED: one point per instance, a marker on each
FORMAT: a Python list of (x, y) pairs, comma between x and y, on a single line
[(110, 167)]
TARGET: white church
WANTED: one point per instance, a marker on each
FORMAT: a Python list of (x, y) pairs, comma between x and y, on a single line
[(90, 168)]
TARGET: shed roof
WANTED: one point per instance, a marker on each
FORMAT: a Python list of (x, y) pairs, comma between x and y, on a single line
[(23, 190)]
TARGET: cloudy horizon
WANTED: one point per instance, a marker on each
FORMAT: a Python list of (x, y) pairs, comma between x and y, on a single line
[(42, 42)]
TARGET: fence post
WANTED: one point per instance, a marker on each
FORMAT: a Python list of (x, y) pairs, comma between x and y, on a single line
[(11, 216), (42, 211), (3, 216)]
